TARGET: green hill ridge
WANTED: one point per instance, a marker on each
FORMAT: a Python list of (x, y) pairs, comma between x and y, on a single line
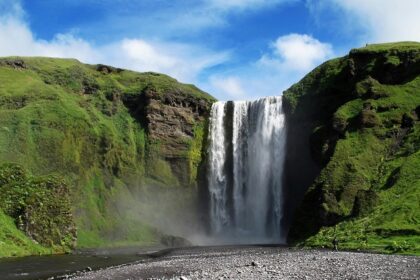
[(100, 130), (361, 115)]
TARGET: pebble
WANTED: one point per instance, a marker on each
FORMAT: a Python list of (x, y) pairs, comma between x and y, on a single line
[(263, 263)]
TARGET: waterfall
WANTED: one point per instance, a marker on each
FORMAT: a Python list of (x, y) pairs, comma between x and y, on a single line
[(246, 157)]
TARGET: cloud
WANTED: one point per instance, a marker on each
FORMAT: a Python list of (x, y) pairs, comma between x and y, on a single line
[(165, 19), (182, 61), (17, 39), (299, 52), (289, 59), (372, 20), (228, 86), (215, 13), (11, 8)]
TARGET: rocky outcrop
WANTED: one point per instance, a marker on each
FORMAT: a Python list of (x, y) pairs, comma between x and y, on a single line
[(171, 120)]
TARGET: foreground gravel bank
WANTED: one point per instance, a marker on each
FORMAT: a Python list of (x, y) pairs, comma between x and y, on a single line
[(263, 263)]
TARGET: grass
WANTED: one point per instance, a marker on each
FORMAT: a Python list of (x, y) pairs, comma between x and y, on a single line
[(367, 192), (14, 243), (392, 226), (387, 47), (59, 116), (195, 152)]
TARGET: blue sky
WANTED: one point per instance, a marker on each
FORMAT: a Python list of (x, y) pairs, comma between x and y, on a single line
[(233, 49)]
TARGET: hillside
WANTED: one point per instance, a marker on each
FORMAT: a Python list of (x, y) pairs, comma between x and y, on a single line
[(108, 139), (94, 156), (354, 128)]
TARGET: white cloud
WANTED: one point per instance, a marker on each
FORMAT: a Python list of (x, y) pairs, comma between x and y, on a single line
[(387, 20), (379, 20), (298, 52), (290, 58), (17, 39), (228, 86), (181, 61), (181, 18)]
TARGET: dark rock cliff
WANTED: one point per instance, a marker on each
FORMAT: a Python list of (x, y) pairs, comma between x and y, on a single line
[(173, 121)]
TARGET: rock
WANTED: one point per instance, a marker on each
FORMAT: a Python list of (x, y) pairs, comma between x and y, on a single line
[(171, 118), (105, 69), (16, 63), (254, 263), (174, 241), (368, 118)]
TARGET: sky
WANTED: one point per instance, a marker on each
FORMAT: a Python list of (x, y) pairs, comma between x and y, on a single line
[(232, 49)]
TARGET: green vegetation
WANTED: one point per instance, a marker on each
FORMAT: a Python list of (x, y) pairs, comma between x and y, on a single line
[(196, 150), (388, 47), (13, 242), (39, 207), (88, 125), (365, 125)]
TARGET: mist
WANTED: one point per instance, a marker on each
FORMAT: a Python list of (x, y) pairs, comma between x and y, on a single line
[(171, 210)]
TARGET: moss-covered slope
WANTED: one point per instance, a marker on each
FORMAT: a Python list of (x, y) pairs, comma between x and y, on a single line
[(360, 116), (110, 133)]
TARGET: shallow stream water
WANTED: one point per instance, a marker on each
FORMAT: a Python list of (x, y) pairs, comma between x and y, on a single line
[(44, 267)]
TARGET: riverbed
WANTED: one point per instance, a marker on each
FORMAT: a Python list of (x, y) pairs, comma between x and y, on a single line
[(262, 262)]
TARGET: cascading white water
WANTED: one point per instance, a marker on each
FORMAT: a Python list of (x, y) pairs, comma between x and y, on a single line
[(217, 179), (246, 157)]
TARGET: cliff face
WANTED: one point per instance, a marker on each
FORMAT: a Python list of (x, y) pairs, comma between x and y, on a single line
[(177, 123), (113, 135), (354, 129)]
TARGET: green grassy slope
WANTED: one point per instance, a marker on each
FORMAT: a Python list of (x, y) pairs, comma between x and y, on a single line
[(365, 136), (58, 116)]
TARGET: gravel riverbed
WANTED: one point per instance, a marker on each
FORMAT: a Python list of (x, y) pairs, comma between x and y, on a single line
[(238, 262)]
